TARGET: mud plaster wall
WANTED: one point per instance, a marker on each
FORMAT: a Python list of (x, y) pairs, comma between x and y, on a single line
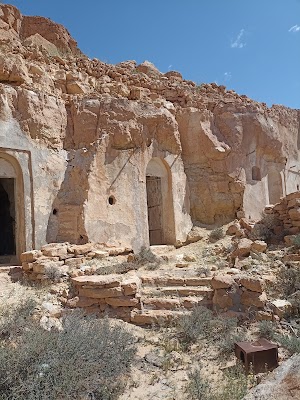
[(39, 172), (122, 174)]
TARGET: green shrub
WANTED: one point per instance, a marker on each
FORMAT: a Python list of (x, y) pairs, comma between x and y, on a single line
[(216, 234), (227, 342), (197, 388), (53, 273), (89, 357), (291, 343), (296, 241), (266, 329), (195, 325), (288, 280), (202, 324), (263, 230), (234, 387), (14, 318), (146, 257)]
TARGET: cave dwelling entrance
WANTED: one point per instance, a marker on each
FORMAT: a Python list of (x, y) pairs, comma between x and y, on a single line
[(160, 203)]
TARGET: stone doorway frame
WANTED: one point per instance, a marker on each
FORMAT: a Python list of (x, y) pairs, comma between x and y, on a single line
[(157, 167), (10, 168)]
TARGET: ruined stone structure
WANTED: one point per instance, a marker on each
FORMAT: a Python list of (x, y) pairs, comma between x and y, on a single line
[(124, 154)]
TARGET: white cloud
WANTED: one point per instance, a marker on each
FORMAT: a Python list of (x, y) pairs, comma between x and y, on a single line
[(238, 43), (227, 76), (295, 28), (170, 66)]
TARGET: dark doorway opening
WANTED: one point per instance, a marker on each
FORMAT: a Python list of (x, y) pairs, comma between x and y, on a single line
[(7, 217), (154, 203)]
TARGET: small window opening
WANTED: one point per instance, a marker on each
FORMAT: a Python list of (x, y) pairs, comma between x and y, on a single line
[(297, 187), (111, 200), (256, 176), (54, 212)]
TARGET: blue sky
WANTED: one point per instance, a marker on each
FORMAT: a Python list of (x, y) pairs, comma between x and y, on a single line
[(251, 46)]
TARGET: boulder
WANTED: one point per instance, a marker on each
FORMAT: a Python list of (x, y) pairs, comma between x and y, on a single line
[(289, 239), (294, 214), (80, 249), (243, 248), (259, 246), (55, 250), (131, 285), (253, 299), (233, 229), (222, 281), (253, 284), (30, 256), (281, 384), (282, 308), (222, 299), (41, 265)]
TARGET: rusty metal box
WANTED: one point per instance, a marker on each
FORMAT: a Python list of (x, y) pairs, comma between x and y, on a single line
[(260, 356)]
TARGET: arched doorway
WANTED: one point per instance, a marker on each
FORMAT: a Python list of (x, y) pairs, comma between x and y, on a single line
[(274, 186), (160, 203), (12, 229)]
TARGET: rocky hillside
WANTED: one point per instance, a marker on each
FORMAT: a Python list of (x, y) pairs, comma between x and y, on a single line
[(62, 101)]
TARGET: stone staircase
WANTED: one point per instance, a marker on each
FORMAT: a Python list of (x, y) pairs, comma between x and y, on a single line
[(142, 298), (165, 298)]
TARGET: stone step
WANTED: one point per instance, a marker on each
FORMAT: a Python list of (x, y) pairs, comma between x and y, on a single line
[(179, 303), (178, 291), (159, 250), (150, 317), (156, 280)]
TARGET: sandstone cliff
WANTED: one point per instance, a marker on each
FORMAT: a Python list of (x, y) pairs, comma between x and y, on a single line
[(83, 133)]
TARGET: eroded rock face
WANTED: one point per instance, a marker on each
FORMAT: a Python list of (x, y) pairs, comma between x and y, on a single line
[(282, 384), (81, 134)]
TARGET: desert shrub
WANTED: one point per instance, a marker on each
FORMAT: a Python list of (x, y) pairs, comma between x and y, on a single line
[(227, 341), (291, 343), (234, 387), (197, 388), (216, 234), (269, 220), (146, 256), (288, 280), (263, 230), (266, 329), (89, 357), (14, 318), (53, 273), (296, 241), (260, 232), (195, 325), (202, 324), (235, 384)]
